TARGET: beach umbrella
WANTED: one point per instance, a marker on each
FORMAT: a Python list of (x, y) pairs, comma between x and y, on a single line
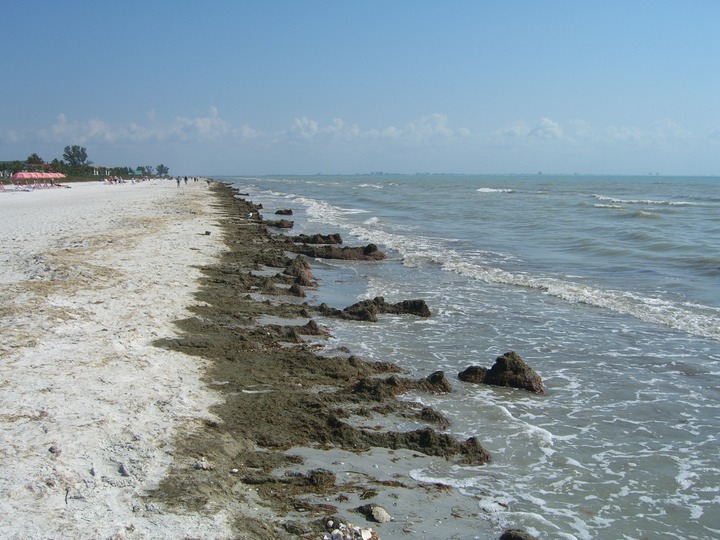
[(36, 175)]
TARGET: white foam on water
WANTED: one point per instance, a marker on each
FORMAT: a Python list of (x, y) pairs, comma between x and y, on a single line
[(611, 206), (494, 190), (419, 250), (624, 418), (416, 251), (374, 186), (644, 201), (373, 221)]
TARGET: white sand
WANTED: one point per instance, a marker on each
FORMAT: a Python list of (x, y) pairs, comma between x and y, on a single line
[(89, 277)]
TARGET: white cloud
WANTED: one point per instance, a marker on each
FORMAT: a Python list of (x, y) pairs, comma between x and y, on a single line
[(666, 129), (306, 128), (657, 133), (432, 127), (516, 144), (389, 133), (580, 130), (76, 132), (206, 127), (625, 134), (547, 129), (428, 127), (202, 128), (245, 132), (516, 130)]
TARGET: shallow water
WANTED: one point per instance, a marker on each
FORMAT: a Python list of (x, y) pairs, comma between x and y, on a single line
[(607, 286)]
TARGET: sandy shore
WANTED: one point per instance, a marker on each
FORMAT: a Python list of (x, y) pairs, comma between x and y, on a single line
[(162, 382), (90, 409)]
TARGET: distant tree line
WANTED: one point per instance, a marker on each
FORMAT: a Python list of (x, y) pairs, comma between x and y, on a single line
[(75, 163)]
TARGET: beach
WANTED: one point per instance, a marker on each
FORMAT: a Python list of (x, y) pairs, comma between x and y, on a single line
[(269, 358), (90, 408), (161, 381)]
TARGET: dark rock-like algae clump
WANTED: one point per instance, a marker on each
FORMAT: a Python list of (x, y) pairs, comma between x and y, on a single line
[(508, 370)]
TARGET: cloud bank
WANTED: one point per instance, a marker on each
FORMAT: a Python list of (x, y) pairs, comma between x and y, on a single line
[(519, 142)]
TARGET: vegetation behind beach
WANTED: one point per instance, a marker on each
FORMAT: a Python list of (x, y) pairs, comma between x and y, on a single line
[(76, 166)]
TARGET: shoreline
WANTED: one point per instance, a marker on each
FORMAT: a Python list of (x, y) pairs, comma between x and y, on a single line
[(162, 379), (286, 409)]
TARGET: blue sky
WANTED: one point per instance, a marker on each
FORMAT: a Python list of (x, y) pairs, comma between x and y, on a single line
[(304, 86)]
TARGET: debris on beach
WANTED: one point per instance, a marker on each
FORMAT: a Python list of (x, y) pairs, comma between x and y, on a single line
[(375, 513), (349, 532), (203, 464)]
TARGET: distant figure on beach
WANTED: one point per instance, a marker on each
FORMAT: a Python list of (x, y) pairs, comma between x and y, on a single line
[(178, 181), (186, 180)]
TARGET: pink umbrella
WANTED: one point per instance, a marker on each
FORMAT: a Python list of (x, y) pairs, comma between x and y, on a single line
[(34, 175)]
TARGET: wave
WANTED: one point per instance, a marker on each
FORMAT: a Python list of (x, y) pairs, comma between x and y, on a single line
[(688, 317), (373, 221), (375, 186), (658, 202), (692, 318), (487, 266), (326, 211), (419, 250), (624, 207), (611, 206), (494, 190)]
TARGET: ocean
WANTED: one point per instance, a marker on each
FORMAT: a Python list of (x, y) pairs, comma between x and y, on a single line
[(609, 287)]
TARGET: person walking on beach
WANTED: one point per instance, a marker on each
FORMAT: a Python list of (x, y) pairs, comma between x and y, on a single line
[(186, 180), (178, 181)]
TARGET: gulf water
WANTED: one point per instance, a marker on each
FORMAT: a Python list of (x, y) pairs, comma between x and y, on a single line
[(609, 287)]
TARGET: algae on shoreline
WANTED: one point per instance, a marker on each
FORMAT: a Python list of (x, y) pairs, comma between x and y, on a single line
[(278, 394)]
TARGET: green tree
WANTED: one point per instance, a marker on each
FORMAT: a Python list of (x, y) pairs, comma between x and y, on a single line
[(146, 170), (123, 171), (34, 159), (76, 157), (162, 170), (58, 166)]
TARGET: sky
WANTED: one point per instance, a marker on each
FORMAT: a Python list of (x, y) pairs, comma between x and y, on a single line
[(263, 87)]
